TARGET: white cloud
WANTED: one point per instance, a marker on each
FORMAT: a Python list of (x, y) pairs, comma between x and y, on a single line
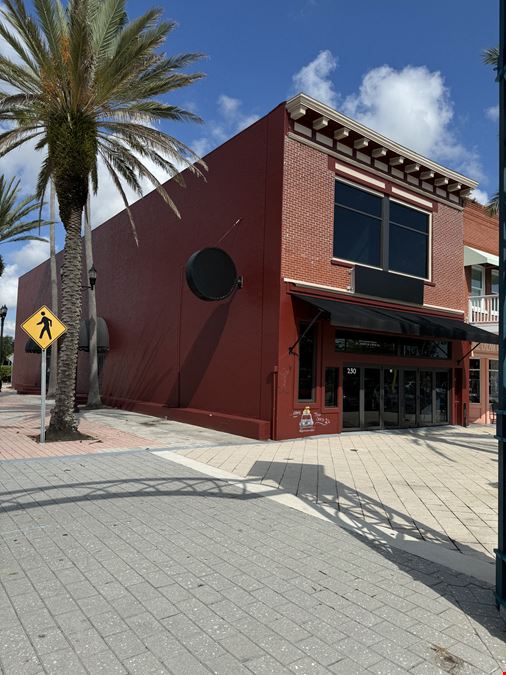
[(17, 263), (413, 107), (231, 120), (492, 113), (315, 79), (480, 196)]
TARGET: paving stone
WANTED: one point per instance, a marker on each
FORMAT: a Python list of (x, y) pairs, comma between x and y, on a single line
[(241, 647), (145, 664), (401, 657), (126, 644), (62, 663), (25, 663), (346, 667), (319, 650), (226, 665), (104, 662), (108, 623), (267, 665), (307, 666)]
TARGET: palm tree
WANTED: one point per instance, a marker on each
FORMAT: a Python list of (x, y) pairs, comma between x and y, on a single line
[(87, 88), (13, 215)]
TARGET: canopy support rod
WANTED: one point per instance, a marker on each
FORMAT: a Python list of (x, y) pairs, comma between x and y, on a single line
[(459, 361), (308, 328)]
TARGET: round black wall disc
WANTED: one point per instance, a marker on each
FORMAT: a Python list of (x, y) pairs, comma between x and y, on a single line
[(211, 274)]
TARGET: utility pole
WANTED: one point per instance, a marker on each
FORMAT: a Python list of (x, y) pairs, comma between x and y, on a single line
[(500, 551)]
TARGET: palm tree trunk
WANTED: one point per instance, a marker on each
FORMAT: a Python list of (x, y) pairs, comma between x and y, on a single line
[(54, 292), (94, 400), (63, 420)]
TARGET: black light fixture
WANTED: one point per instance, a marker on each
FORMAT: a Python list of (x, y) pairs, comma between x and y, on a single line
[(92, 276), (3, 314)]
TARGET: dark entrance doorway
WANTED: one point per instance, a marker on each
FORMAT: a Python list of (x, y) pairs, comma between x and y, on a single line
[(383, 397)]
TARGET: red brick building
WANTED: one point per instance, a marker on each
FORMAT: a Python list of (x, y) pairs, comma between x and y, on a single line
[(353, 304), (481, 260)]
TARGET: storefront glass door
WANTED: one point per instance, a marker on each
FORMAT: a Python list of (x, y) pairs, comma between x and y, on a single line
[(391, 397), (351, 397), (383, 397), (408, 398), (372, 398)]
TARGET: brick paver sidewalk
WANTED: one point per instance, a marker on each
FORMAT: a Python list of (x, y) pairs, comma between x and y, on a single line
[(133, 564), (20, 425)]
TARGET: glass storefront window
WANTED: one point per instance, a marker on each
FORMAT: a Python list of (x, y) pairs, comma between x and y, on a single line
[(369, 344), (307, 363), (493, 381), (331, 383), (474, 381)]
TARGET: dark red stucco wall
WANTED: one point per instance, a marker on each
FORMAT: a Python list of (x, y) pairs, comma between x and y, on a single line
[(168, 348)]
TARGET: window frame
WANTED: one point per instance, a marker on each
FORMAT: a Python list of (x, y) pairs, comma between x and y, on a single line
[(385, 231), (428, 235), (481, 269)]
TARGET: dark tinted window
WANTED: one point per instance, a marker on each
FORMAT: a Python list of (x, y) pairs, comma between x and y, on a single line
[(307, 354), (357, 237), (359, 200), (403, 215), (408, 251), (474, 381), (331, 382)]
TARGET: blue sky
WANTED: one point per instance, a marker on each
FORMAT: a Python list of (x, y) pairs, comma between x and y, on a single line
[(412, 71)]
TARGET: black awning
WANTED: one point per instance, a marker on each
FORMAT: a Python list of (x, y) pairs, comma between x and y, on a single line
[(362, 317)]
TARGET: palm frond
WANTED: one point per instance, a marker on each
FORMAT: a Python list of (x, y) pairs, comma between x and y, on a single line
[(491, 56), (15, 211)]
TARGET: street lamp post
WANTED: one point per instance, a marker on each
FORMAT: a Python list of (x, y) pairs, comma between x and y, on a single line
[(500, 551), (3, 314)]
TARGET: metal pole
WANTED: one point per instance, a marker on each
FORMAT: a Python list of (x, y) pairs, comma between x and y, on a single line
[(501, 412), (43, 396), (1, 350)]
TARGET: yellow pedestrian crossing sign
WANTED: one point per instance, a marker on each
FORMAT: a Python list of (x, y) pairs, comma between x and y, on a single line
[(44, 327)]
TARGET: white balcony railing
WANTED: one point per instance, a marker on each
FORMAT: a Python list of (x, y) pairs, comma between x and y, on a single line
[(483, 309)]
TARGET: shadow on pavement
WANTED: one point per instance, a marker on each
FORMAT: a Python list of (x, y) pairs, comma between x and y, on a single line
[(473, 597)]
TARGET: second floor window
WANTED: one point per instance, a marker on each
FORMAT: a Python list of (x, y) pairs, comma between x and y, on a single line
[(375, 230), (494, 282), (477, 280)]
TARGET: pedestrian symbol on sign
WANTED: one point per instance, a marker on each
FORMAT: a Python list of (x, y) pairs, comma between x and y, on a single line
[(45, 322)]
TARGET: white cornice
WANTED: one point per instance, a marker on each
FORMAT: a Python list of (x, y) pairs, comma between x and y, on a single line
[(302, 101)]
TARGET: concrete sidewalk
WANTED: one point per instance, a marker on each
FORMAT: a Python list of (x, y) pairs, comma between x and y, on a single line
[(131, 563)]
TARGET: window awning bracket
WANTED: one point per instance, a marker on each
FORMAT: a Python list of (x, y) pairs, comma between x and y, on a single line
[(308, 328), (459, 361)]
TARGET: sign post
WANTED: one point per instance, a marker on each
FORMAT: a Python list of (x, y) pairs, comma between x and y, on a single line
[(43, 371), (44, 328)]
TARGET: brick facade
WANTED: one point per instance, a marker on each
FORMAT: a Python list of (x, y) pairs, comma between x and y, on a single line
[(308, 224), (480, 230)]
